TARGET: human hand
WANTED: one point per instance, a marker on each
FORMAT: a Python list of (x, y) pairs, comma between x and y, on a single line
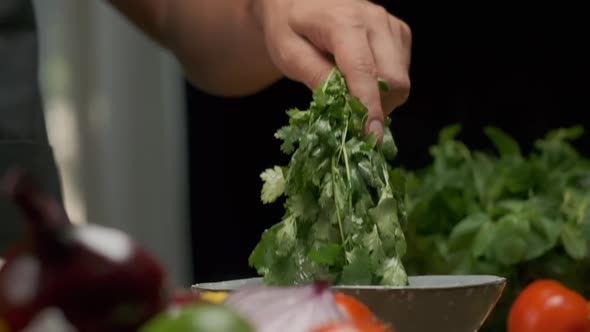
[(307, 38)]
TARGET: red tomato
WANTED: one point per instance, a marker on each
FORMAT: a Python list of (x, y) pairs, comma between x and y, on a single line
[(353, 308), (548, 306), (366, 326)]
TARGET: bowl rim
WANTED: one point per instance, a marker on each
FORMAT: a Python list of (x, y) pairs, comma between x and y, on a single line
[(460, 282)]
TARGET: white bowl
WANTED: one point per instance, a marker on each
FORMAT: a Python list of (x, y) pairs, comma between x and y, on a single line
[(430, 303)]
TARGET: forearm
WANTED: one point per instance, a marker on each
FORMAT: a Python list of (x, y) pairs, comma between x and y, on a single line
[(218, 42)]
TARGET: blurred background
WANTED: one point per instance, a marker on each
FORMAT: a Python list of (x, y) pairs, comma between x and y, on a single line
[(115, 112), (140, 149)]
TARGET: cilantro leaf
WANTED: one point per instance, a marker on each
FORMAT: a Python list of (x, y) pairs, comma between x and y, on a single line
[(385, 217), (393, 272), (286, 236), (344, 208), (290, 136), (274, 184), (358, 270), (329, 254), (388, 146)]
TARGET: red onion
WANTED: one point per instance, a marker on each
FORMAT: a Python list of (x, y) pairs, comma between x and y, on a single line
[(98, 278), (286, 309)]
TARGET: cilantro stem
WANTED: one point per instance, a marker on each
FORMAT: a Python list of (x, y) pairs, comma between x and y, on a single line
[(386, 176), (328, 80), (334, 173), (342, 151), (347, 171)]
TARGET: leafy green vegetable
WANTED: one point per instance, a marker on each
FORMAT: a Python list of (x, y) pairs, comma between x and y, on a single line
[(521, 217), (344, 203), (274, 184)]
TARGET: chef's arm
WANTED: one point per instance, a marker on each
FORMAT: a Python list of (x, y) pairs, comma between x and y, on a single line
[(218, 42), (228, 47)]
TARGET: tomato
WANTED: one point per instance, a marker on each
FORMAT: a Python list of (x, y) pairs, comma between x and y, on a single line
[(353, 308), (548, 306), (366, 326)]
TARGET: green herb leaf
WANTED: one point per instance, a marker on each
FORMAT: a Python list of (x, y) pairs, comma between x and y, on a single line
[(383, 86), (449, 133), (286, 236), (464, 233), (393, 273), (358, 270), (523, 217), (505, 144), (388, 145), (574, 242), (274, 184), (385, 217), (344, 202), (329, 254)]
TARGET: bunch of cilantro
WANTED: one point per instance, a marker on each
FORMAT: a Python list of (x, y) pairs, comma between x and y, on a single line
[(503, 213), (344, 203)]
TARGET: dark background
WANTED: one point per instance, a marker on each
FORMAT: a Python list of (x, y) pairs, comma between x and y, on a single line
[(523, 69)]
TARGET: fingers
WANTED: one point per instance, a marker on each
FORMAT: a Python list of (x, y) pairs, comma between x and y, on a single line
[(400, 81), (391, 58), (366, 42), (342, 32), (354, 57), (300, 60)]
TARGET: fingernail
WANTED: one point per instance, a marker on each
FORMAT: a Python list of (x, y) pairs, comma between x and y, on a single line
[(376, 127)]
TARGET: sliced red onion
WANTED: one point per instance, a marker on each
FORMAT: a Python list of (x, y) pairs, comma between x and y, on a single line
[(286, 309)]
